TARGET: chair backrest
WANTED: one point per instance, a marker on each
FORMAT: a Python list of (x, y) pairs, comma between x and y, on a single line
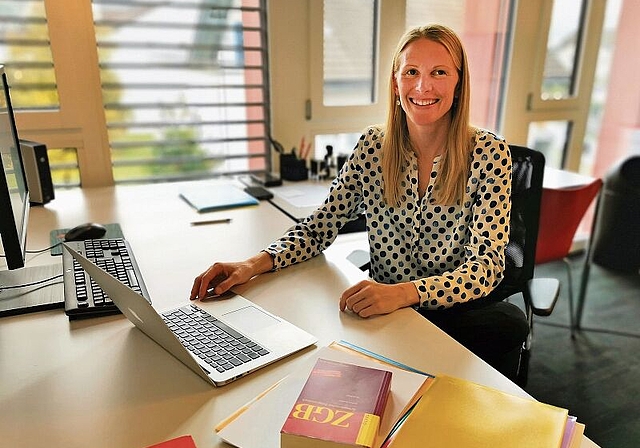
[(561, 212), (526, 192)]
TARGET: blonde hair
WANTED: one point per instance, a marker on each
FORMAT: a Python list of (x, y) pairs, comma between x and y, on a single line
[(454, 164)]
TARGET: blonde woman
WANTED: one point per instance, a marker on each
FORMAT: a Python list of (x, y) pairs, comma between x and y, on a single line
[(435, 194)]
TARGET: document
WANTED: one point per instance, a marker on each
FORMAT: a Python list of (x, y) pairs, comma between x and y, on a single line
[(258, 424)]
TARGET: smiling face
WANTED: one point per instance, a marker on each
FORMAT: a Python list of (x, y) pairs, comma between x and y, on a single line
[(425, 82)]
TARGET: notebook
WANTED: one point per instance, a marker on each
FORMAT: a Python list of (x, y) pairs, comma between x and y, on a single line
[(216, 196), (277, 336)]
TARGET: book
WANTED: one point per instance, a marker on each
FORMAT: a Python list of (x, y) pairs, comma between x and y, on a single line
[(257, 424), (210, 197), (458, 413), (569, 428), (340, 405)]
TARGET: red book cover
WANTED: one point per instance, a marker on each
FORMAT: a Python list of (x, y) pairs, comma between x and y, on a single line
[(340, 405)]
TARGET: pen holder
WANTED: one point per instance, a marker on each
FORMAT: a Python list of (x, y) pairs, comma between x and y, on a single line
[(292, 168)]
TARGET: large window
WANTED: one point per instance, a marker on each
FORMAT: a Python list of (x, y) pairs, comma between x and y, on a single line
[(181, 87), (349, 65), (184, 86)]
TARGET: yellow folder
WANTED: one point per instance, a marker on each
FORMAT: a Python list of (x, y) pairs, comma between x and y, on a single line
[(456, 413)]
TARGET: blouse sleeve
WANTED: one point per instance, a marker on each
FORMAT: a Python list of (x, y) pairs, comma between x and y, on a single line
[(484, 261), (316, 232)]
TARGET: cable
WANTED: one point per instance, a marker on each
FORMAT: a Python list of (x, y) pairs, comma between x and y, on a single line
[(25, 285), (37, 251)]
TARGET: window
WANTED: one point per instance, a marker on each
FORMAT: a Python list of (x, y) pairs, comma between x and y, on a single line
[(26, 54), (349, 52), (482, 27), (24, 50), (350, 58), (184, 87)]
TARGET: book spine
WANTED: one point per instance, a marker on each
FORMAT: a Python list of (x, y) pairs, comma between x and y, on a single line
[(368, 429), (383, 394)]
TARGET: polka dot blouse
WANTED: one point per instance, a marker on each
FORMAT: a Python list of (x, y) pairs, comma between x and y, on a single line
[(452, 253)]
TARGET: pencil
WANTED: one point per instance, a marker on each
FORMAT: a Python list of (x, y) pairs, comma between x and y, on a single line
[(212, 221)]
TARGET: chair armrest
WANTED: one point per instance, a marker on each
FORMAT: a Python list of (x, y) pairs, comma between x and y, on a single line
[(542, 294)]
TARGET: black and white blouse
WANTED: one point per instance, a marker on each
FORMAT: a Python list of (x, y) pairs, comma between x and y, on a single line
[(452, 253)]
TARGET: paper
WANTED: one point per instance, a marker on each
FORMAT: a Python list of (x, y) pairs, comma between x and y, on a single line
[(259, 425), (457, 413)]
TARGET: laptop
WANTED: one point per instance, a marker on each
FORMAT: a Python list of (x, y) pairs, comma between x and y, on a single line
[(269, 337)]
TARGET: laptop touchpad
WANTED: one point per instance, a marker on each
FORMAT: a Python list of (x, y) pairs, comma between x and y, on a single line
[(249, 319)]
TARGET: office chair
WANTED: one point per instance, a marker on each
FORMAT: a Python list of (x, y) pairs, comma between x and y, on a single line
[(539, 294), (614, 242), (561, 211)]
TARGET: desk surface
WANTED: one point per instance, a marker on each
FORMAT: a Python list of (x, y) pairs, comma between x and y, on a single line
[(101, 382), (300, 199)]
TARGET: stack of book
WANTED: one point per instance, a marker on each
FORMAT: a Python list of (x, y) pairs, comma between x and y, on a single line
[(421, 410)]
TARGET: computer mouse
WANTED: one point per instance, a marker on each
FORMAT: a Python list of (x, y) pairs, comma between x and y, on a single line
[(87, 231)]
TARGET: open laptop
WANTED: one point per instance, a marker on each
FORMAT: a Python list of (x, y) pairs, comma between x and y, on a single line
[(270, 337)]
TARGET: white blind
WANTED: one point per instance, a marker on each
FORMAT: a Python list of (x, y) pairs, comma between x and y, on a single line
[(185, 87), (25, 53)]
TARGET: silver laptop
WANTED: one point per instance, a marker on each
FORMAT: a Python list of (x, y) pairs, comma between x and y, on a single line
[(264, 338)]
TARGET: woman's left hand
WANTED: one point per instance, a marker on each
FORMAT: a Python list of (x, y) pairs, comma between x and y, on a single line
[(369, 298)]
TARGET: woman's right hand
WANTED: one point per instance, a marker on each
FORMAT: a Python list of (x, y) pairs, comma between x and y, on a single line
[(221, 277)]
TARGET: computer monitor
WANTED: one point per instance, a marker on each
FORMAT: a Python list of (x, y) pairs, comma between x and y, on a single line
[(14, 193)]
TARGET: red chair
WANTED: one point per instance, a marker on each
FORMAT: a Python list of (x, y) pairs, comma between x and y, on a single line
[(561, 211)]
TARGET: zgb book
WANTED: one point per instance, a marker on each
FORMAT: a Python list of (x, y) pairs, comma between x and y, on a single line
[(340, 405)]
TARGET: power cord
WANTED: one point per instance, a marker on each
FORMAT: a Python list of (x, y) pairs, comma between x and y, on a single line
[(26, 285), (37, 251)]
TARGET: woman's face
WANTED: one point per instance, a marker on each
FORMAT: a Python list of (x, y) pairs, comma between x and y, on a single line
[(425, 83)]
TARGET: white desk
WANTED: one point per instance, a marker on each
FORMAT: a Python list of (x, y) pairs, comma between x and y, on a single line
[(558, 179), (300, 199), (101, 382)]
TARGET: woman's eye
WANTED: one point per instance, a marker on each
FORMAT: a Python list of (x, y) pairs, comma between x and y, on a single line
[(412, 72), (440, 72)]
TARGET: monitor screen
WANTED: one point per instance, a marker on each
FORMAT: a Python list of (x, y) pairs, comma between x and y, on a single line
[(14, 195)]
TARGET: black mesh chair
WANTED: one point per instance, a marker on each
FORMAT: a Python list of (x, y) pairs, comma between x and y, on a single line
[(539, 294)]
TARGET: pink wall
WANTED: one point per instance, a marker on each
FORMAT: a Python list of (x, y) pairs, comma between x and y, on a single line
[(621, 115), (482, 29)]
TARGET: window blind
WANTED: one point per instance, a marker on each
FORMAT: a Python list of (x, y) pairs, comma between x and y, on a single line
[(185, 87), (25, 53)]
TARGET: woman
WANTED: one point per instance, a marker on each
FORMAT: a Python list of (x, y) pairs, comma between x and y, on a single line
[(435, 193)]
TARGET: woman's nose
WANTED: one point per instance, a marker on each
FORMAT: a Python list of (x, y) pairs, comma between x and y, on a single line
[(423, 84)]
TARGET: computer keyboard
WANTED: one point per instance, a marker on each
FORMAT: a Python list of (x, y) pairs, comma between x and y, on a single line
[(213, 341), (82, 295)]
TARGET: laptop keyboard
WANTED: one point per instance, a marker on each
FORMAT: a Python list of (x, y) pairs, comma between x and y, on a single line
[(82, 295), (213, 341)]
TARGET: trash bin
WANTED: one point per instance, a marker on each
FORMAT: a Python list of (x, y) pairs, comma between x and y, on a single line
[(616, 238)]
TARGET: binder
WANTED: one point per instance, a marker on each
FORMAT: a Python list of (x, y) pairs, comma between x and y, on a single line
[(210, 197)]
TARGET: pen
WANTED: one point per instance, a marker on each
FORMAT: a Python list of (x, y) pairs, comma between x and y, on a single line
[(212, 221)]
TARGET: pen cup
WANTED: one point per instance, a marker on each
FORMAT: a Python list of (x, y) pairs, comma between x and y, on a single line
[(292, 168)]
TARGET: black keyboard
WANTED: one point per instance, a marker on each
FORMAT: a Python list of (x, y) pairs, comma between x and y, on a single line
[(213, 341), (82, 295)]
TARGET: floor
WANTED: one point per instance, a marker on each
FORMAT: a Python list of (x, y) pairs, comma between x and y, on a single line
[(596, 375)]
